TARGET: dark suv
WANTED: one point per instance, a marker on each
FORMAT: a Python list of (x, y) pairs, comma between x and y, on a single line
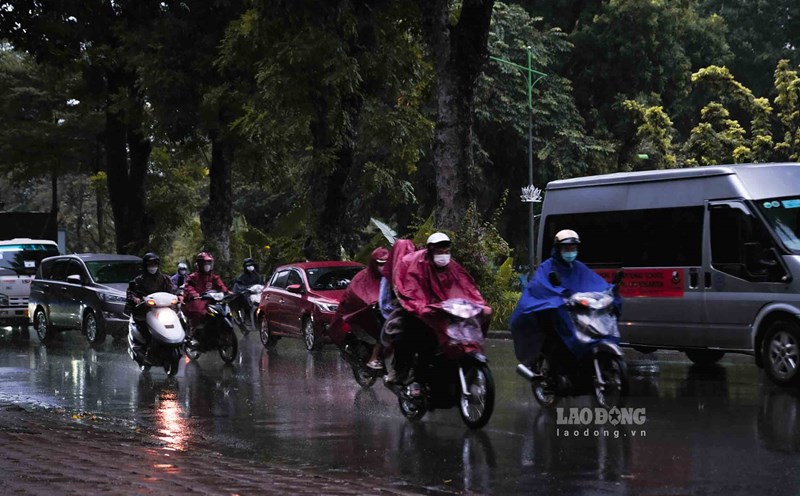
[(85, 292)]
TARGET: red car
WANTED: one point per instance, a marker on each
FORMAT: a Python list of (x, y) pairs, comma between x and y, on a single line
[(300, 300)]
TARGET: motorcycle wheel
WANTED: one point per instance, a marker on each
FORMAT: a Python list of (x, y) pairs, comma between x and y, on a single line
[(477, 408), (229, 347), (171, 367), (615, 376), (412, 410), (190, 351), (543, 391), (364, 378)]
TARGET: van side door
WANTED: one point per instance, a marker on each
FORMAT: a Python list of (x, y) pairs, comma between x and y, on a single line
[(742, 275)]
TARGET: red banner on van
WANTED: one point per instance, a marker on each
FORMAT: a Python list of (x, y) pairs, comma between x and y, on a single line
[(654, 283)]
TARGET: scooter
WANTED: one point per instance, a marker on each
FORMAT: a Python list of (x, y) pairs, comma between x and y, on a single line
[(563, 369), (244, 308), (362, 330), (215, 332), (158, 339), (449, 366)]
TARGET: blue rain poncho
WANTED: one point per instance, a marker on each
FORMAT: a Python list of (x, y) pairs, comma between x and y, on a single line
[(543, 303)]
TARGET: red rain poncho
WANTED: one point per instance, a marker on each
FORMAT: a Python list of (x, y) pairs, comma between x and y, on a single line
[(419, 285), (359, 299)]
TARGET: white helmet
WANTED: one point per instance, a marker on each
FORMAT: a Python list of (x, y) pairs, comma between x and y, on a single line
[(567, 237), (436, 238)]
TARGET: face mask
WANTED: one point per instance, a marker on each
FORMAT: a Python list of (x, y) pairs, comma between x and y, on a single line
[(250, 268), (569, 256), (152, 270), (182, 271), (207, 268), (441, 260)]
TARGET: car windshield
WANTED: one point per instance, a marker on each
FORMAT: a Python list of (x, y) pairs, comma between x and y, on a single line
[(24, 259), (330, 278), (114, 271), (783, 216)]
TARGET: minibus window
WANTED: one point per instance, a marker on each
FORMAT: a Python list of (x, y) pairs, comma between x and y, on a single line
[(741, 246), (783, 216), (659, 237)]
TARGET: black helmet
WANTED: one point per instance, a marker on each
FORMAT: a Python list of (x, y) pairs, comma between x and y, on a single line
[(149, 258), (248, 261)]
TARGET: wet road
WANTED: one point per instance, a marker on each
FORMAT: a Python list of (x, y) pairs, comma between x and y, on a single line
[(719, 430)]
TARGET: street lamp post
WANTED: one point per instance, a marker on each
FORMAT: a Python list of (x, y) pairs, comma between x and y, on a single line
[(530, 194)]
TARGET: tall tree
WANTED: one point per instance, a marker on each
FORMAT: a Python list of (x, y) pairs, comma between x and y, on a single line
[(92, 33), (760, 33), (458, 46)]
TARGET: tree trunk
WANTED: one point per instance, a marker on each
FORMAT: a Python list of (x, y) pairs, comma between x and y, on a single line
[(216, 218), (459, 52), (100, 200), (123, 135), (54, 194)]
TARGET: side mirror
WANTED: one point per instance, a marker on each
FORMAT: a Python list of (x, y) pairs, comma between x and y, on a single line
[(295, 288), (74, 279), (618, 277), (554, 279)]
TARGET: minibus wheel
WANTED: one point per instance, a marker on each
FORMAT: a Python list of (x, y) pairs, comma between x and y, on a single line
[(705, 357), (780, 352)]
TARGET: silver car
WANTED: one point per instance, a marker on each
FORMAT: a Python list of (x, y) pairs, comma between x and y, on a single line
[(85, 292)]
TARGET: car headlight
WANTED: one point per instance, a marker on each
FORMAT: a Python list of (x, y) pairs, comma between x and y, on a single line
[(112, 298), (327, 307)]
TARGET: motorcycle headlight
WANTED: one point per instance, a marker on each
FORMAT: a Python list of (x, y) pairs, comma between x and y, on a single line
[(112, 298), (327, 307)]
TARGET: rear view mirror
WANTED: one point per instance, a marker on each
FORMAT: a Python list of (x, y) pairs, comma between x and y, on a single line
[(618, 277), (554, 279), (74, 279), (295, 288)]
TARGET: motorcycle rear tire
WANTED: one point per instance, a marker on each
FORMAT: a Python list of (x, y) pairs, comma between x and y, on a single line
[(412, 410), (363, 377), (476, 409)]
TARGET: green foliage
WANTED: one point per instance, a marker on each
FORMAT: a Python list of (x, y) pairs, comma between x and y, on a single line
[(654, 134), (787, 102)]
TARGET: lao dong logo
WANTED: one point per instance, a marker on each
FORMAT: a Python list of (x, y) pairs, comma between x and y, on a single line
[(600, 416)]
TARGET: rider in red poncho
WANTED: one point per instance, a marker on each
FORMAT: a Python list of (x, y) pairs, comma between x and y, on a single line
[(429, 277), (356, 312), (198, 282)]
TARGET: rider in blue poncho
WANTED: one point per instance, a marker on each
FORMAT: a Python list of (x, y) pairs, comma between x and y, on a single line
[(541, 308)]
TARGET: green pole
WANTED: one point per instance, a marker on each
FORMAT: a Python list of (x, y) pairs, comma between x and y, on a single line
[(529, 72)]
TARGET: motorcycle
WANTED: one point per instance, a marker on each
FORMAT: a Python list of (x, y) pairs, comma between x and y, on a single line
[(562, 371), (244, 307), (215, 332), (362, 330), (158, 339), (449, 366)]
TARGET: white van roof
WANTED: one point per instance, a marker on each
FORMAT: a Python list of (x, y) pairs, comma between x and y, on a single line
[(663, 175), (27, 241)]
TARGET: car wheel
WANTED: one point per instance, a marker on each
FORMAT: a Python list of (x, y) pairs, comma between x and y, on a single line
[(267, 339), (781, 354), (92, 330), (43, 328), (310, 335)]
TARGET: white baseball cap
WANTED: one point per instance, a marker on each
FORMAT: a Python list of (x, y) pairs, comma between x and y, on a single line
[(436, 238)]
